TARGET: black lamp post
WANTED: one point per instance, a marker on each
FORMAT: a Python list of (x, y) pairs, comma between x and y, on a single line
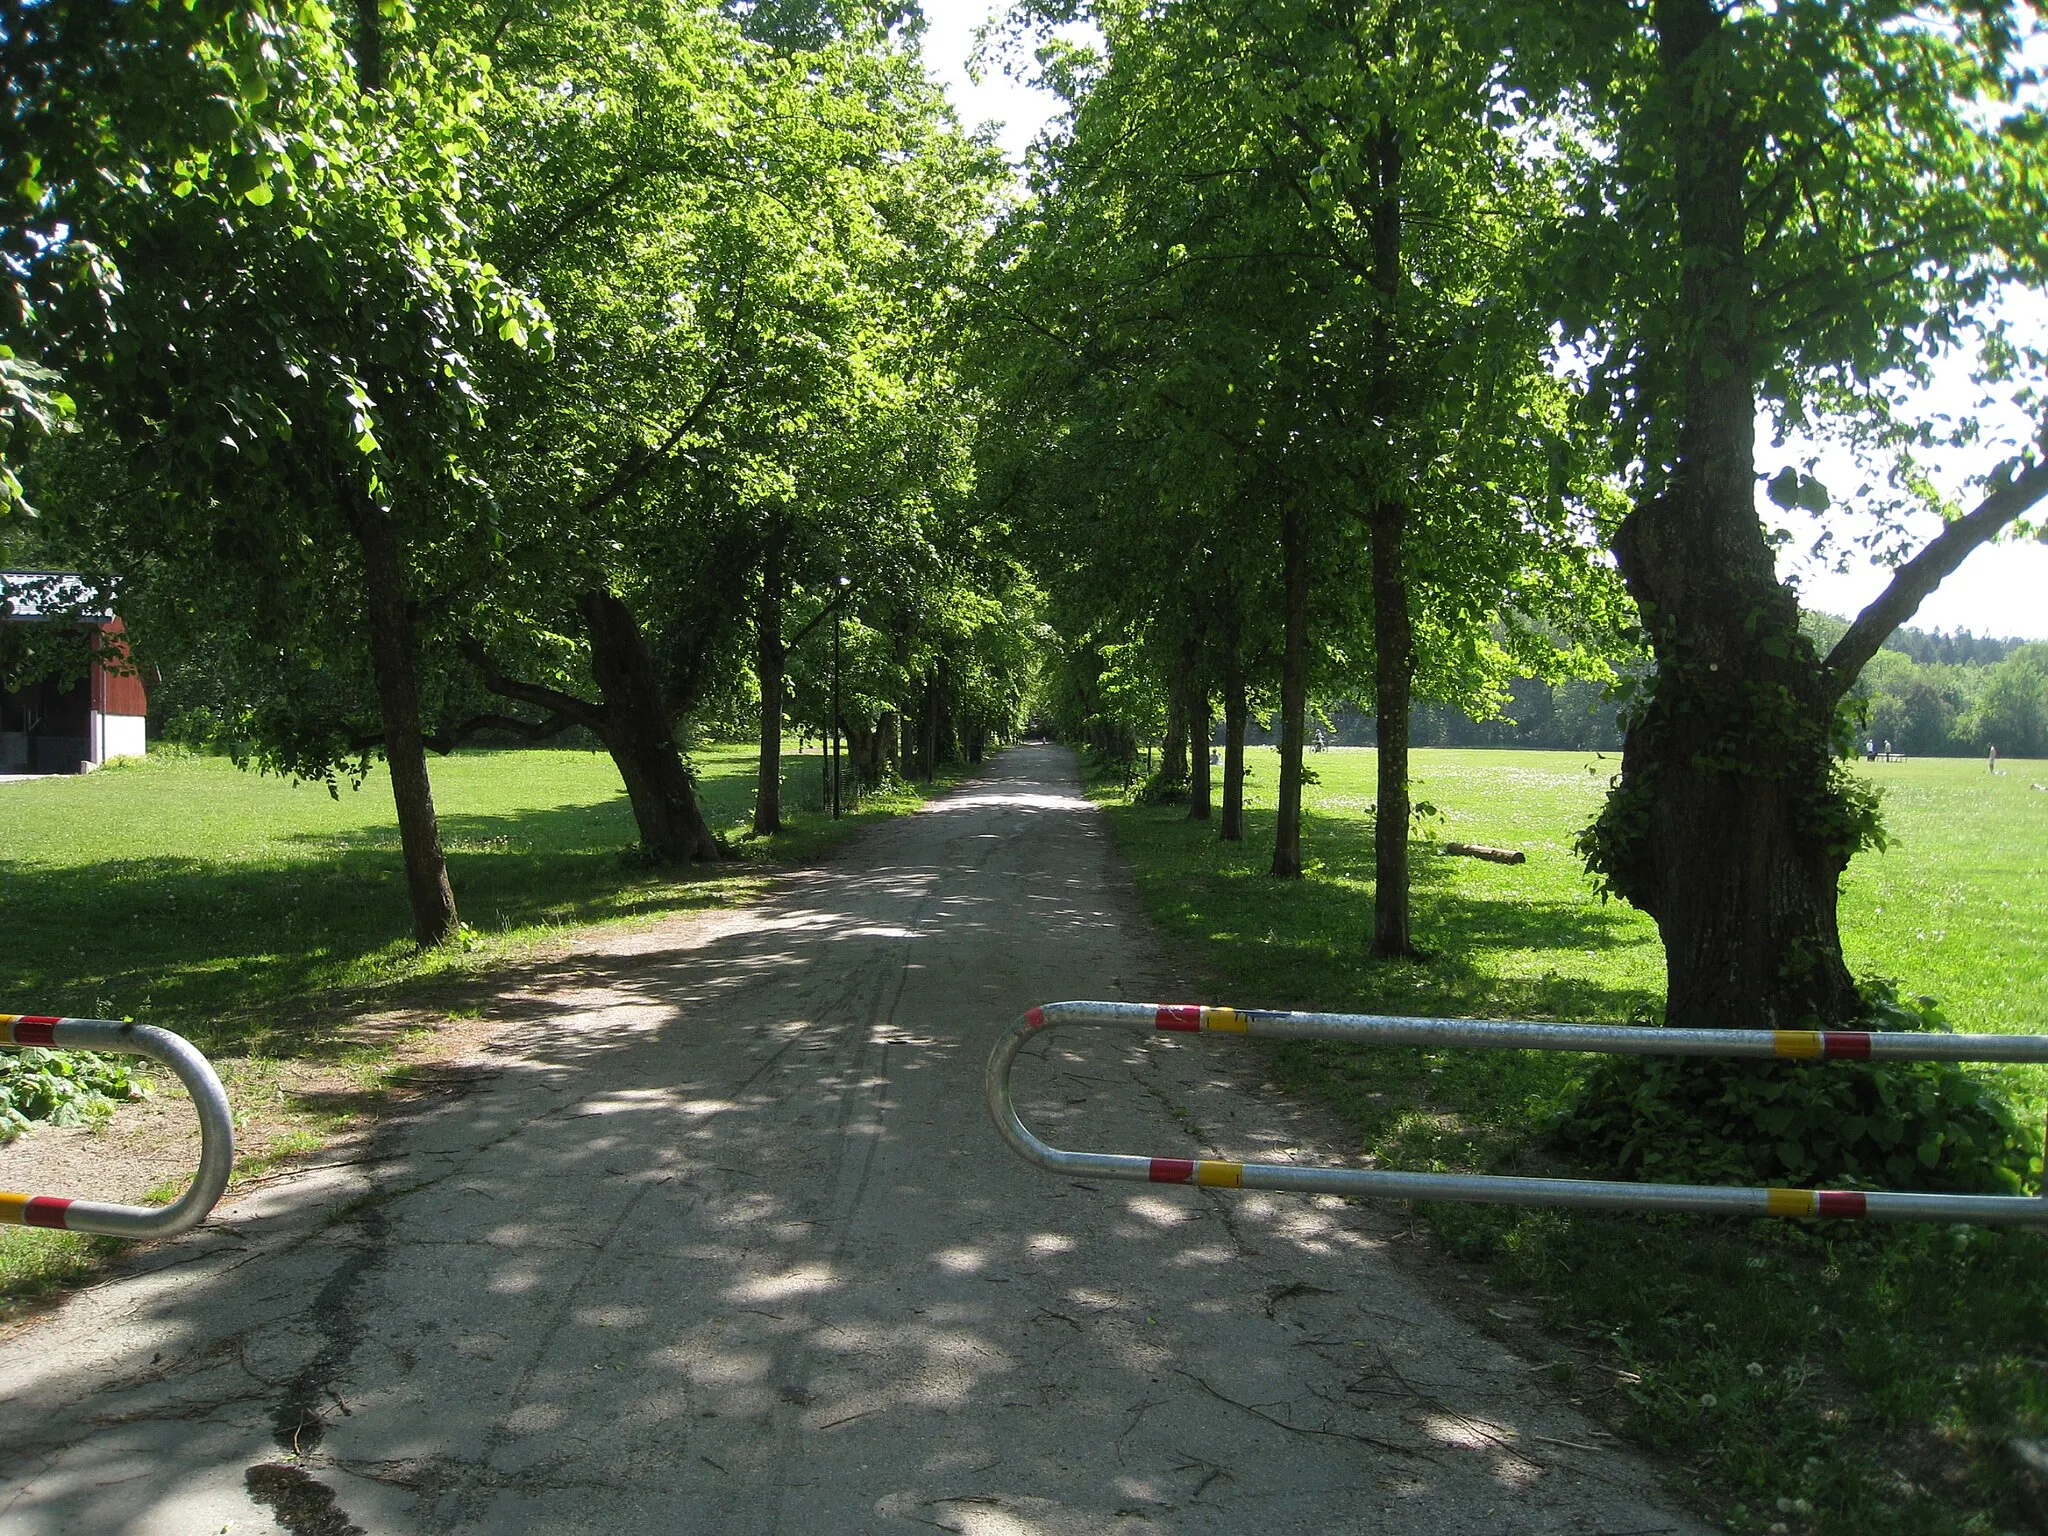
[(838, 616)]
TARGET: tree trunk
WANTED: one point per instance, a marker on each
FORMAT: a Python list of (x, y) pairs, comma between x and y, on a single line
[(928, 727), (1200, 727), (385, 608), (369, 48), (640, 734), (885, 757), (770, 665), (1727, 824), (1393, 672), (869, 748), (1173, 749), (1393, 629), (1293, 688), (1231, 829)]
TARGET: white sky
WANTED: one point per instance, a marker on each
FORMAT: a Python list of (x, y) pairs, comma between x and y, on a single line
[(948, 40), (2000, 590)]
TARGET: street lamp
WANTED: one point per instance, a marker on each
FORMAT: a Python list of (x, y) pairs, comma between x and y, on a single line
[(838, 617)]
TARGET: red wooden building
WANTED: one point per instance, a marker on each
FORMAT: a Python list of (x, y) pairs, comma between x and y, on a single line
[(69, 727)]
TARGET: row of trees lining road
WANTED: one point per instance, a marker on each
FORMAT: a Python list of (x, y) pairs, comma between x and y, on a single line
[(428, 369), (1365, 350), (455, 369), (1268, 348)]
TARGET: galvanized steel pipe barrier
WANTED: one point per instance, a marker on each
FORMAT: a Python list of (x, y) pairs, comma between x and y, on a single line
[(1481, 1034), (216, 1130)]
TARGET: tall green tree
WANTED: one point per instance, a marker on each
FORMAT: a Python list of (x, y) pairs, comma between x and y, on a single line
[(1300, 235), (116, 95), (1792, 207), (744, 248), (287, 376)]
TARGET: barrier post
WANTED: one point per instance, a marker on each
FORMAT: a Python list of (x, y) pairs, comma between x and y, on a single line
[(216, 1130), (1487, 1034)]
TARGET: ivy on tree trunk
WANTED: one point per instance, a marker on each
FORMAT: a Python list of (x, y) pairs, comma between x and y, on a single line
[(1729, 823)]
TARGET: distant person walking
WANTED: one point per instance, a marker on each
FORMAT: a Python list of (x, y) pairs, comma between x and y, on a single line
[(1994, 757)]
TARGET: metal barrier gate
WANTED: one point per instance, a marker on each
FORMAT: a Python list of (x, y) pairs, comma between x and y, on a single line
[(216, 1130), (1585, 1194)]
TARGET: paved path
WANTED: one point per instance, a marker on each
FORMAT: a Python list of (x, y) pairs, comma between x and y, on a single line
[(724, 1244)]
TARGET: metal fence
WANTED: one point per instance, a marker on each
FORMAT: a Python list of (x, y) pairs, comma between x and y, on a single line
[(1584, 1194), (216, 1130)]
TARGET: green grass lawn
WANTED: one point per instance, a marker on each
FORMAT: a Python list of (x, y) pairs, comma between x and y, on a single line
[(246, 911), (1840, 1379)]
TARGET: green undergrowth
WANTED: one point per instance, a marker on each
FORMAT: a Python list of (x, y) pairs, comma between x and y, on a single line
[(1840, 1379), (36, 1263), (1934, 1125), (63, 1087)]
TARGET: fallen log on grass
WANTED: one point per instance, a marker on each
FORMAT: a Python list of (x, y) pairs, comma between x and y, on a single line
[(1491, 855)]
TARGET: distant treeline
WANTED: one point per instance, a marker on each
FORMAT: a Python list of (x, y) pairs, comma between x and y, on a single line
[(1926, 705), (1928, 693)]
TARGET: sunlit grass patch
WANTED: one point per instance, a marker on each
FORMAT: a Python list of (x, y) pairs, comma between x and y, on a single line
[(245, 911)]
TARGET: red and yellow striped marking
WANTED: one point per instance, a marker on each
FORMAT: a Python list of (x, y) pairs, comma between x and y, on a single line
[(30, 1028), (1189, 1170), (1191, 1018), (1817, 1045), (32, 1210), (1817, 1202)]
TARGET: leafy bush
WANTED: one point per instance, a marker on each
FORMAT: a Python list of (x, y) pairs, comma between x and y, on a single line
[(62, 1087), (1922, 1124), (1160, 790)]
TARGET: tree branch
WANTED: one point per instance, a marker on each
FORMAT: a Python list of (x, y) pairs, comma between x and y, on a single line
[(531, 730), (447, 741), (576, 711), (819, 617), (1920, 575)]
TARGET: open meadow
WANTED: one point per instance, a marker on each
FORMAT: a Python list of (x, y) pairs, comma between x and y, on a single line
[(242, 909), (1842, 1379)]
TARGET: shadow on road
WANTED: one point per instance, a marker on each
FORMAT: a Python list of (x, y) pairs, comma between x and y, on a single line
[(726, 1245)]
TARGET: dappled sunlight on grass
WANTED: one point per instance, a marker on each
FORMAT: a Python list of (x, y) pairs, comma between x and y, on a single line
[(246, 911), (1749, 1350), (1528, 940)]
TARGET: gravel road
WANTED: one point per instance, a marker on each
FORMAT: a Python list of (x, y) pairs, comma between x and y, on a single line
[(719, 1240)]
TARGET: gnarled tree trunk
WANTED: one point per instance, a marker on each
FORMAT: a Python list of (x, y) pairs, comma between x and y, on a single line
[(639, 731), (1726, 824)]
